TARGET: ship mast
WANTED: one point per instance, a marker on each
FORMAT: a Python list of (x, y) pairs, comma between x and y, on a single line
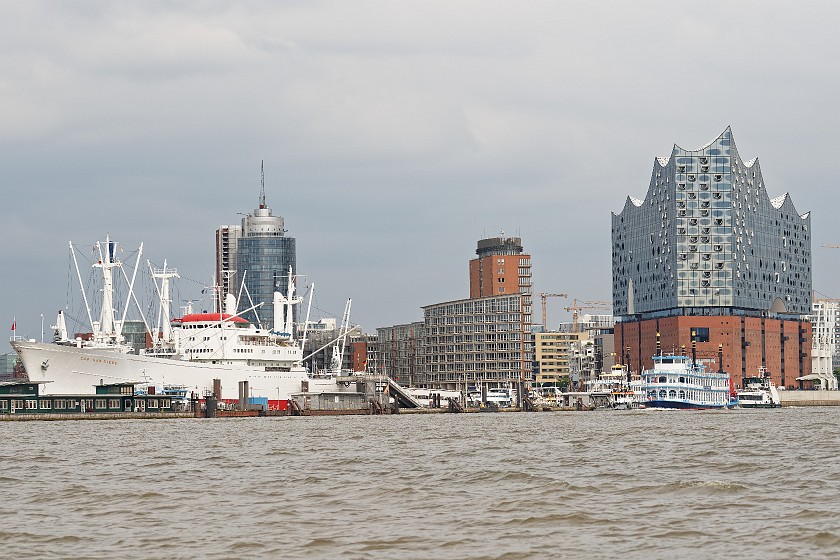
[(164, 326), (106, 263)]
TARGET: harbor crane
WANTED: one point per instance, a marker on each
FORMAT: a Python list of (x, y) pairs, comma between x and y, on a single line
[(579, 306), (543, 298)]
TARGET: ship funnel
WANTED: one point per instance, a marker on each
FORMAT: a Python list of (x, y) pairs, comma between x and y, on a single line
[(279, 300), (230, 304), (60, 328)]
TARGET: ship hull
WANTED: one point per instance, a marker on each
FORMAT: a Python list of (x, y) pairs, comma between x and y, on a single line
[(684, 405), (74, 370)]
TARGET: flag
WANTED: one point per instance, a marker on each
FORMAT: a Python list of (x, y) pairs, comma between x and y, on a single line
[(14, 324)]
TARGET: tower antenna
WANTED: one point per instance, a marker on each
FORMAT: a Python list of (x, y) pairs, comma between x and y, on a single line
[(262, 183)]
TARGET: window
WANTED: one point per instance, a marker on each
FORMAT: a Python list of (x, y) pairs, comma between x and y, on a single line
[(31, 404), (700, 334), (46, 404), (4, 405), (100, 404), (114, 403)]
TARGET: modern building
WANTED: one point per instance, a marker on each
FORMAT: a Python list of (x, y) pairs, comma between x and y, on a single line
[(500, 268), (264, 257), (709, 256), (825, 322), (11, 367), (477, 341), (401, 352), (227, 238), (485, 340), (553, 355), (362, 352)]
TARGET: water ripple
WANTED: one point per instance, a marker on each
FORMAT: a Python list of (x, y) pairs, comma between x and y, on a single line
[(755, 484)]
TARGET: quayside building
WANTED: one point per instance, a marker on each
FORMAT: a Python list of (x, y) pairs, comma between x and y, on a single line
[(708, 256), (482, 341)]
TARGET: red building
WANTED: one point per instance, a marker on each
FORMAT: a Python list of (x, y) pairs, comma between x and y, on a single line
[(500, 268), (782, 347)]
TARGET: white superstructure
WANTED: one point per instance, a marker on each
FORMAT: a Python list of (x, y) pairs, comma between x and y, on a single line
[(198, 348)]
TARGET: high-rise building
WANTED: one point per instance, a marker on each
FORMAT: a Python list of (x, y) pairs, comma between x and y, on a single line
[(500, 268), (709, 257), (227, 238), (264, 256), (825, 319)]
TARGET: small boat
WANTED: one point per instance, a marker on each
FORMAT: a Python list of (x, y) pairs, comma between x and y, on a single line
[(759, 392), (683, 382), (500, 397), (613, 390)]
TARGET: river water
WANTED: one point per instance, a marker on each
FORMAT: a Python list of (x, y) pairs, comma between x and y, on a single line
[(652, 483)]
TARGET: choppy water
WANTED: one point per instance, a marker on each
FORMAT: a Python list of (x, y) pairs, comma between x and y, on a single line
[(653, 484)]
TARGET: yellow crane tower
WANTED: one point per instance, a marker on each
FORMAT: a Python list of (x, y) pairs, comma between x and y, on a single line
[(579, 306), (543, 298)]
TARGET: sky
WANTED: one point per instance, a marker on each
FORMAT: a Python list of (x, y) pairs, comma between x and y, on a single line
[(395, 135)]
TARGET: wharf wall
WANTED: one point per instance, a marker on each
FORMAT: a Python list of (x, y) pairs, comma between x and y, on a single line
[(810, 398)]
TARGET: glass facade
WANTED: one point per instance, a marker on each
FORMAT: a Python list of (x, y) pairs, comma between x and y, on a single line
[(707, 239), (265, 262)]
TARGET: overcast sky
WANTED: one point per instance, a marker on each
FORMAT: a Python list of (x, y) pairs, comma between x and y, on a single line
[(394, 134)]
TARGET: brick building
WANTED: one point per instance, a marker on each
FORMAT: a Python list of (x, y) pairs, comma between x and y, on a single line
[(709, 255)]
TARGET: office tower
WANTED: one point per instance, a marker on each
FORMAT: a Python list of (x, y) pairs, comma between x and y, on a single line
[(264, 256)]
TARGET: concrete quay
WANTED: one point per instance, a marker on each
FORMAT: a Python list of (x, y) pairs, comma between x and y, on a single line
[(809, 398)]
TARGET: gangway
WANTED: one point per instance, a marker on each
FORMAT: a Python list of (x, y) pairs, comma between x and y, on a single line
[(382, 384)]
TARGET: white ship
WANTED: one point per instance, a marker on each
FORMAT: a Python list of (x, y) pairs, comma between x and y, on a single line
[(190, 353), (683, 382), (759, 392)]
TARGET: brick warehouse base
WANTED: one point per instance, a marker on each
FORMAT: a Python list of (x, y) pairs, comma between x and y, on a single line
[(783, 347)]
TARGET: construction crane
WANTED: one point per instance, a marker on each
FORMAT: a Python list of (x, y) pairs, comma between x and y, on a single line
[(543, 298), (579, 306)]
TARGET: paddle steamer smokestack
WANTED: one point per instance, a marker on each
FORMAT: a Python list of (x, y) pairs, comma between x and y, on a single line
[(628, 365), (693, 349)]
